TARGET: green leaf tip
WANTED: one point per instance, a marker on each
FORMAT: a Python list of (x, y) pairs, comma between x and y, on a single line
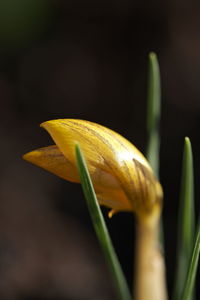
[(153, 113), (152, 55), (187, 144), (186, 221), (187, 193), (187, 139)]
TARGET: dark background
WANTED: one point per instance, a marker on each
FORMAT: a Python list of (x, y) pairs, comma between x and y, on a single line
[(88, 60)]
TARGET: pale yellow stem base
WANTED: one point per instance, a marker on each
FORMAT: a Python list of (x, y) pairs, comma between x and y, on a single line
[(149, 264)]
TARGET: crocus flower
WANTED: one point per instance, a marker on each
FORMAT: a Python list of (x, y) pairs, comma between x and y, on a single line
[(123, 179)]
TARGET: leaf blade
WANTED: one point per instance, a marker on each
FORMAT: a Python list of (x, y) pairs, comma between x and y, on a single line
[(153, 122), (185, 220), (192, 270), (153, 113), (101, 229)]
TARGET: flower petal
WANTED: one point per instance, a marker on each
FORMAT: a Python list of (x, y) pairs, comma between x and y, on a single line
[(108, 151), (122, 178), (109, 192), (51, 159)]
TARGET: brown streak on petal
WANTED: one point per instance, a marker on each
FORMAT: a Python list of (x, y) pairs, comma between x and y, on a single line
[(142, 183), (106, 142)]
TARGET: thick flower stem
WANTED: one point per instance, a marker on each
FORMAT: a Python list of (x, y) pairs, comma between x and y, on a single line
[(149, 264)]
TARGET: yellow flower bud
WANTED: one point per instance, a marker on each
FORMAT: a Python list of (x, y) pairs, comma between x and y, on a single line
[(122, 178)]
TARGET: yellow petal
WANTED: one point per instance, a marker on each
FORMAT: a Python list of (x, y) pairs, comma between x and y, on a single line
[(51, 159), (108, 151), (108, 190), (114, 199)]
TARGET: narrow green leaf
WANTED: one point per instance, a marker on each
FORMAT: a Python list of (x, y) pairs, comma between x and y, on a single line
[(153, 113), (153, 121), (101, 229), (185, 222), (192, 270)]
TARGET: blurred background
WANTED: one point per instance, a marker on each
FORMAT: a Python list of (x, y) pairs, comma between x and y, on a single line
[(86, 59)]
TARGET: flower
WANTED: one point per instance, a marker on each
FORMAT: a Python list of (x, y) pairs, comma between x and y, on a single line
[(123, 179)]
